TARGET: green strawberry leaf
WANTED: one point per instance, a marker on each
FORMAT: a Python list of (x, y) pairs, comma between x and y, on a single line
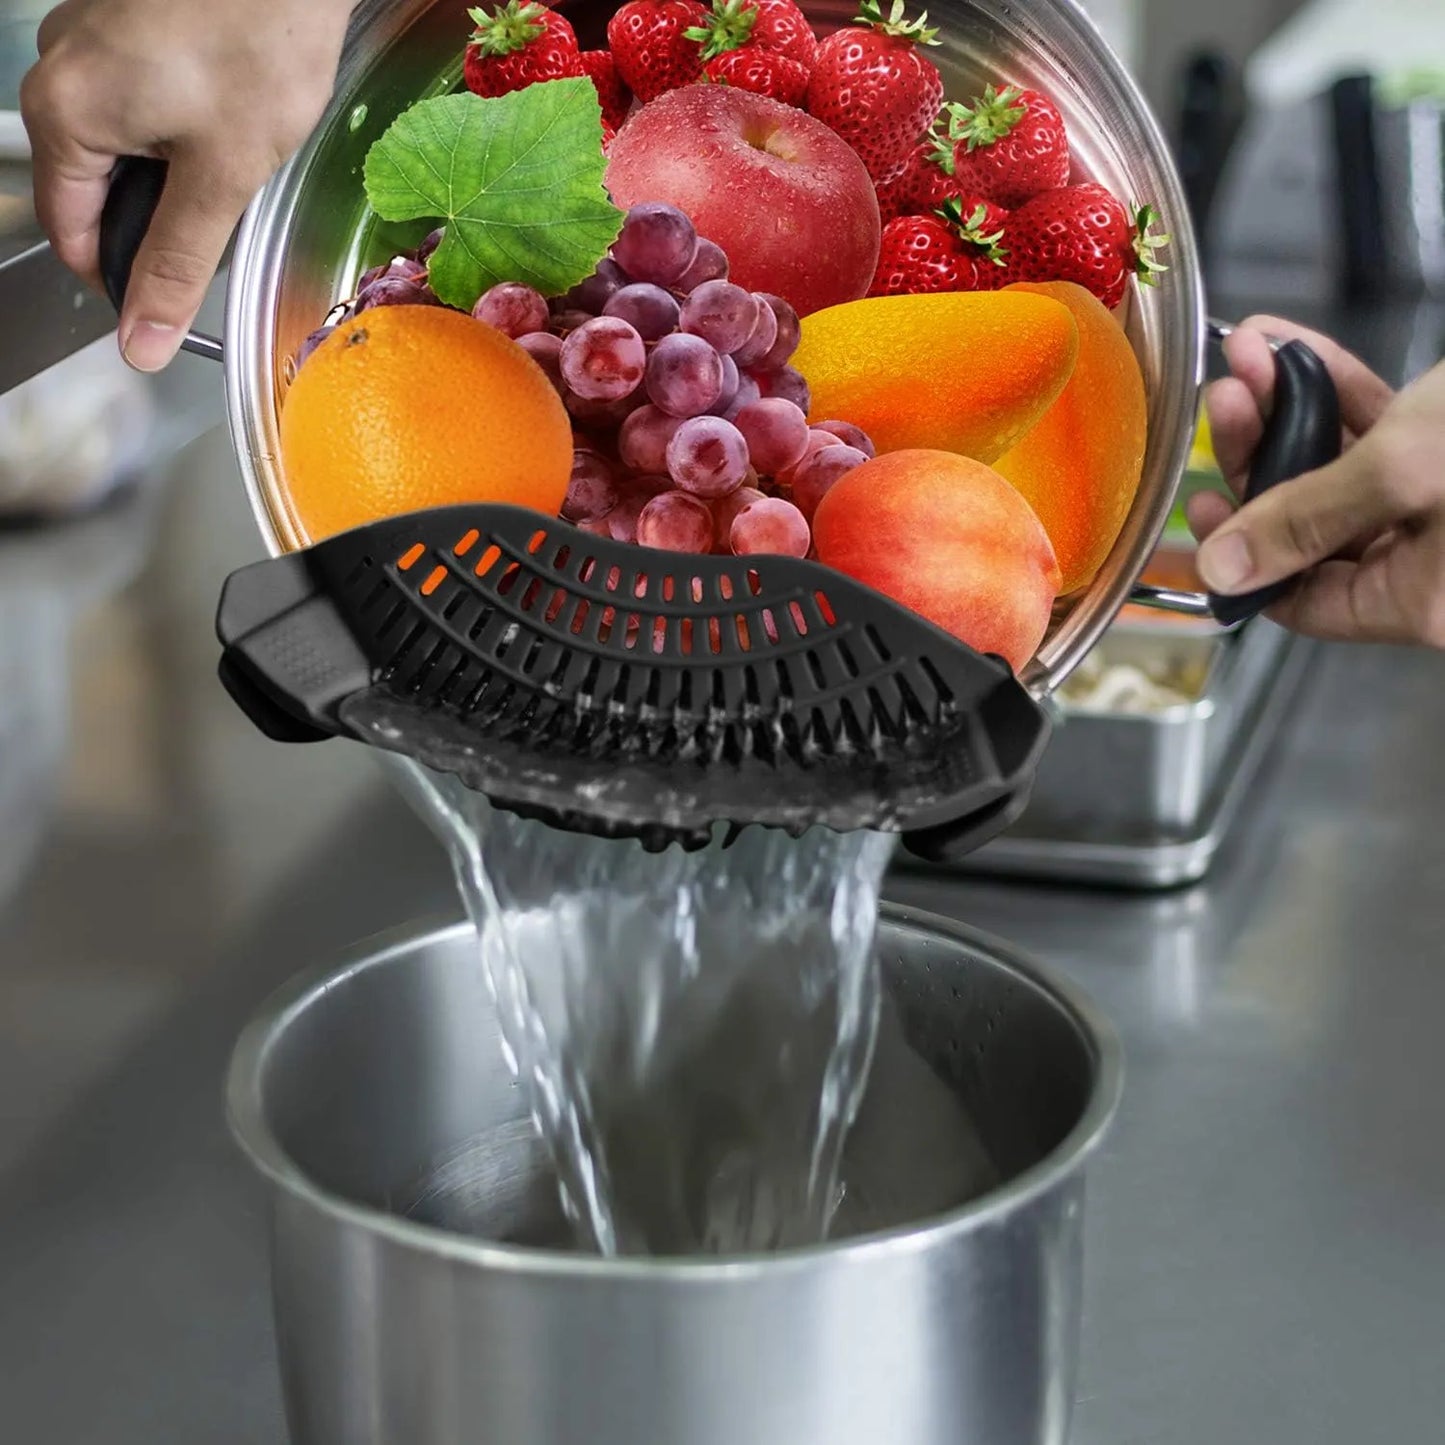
[(516, 178)]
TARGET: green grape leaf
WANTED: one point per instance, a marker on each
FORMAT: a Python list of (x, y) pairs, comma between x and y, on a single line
[(516, 178)]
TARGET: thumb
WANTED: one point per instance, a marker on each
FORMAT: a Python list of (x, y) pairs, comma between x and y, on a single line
[(178, 259), (1295, 526)]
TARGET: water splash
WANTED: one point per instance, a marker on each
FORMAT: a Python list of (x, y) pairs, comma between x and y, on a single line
[(693, 1030)]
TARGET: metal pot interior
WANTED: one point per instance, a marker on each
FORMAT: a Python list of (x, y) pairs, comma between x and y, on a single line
[(310, 234), (384, 1086)]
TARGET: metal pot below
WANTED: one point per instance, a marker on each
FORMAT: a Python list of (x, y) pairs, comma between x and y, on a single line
[(425, 1291)]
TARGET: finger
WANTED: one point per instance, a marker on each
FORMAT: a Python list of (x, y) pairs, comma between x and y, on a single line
[(1297, 524), (1236, 426), (53, 26), (174, 267), (1251, 360), (1346, 602), (1363, 395), (69, 198), (1207, 513)]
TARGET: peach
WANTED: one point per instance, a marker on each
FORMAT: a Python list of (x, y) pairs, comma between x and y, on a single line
[(1079, 468), (950, 538), (960, 371), (785, 196)]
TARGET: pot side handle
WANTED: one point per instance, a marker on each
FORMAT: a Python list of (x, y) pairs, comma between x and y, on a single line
[(1303, 434), (136, 184)]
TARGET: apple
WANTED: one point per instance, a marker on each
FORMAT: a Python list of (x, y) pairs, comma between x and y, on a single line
[(786, 198)]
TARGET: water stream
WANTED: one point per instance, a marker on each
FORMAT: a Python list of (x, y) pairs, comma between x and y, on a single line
[(693, 1030)]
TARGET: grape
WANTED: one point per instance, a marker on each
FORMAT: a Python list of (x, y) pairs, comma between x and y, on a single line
[(403, 268), (368, 278), (790, 332), (684, 375), (850, 435), (708, 457), (600, 416), (642, 442), (596, 526), (310, 344), (675, 522), (592, 492), (515, 310), (725, 509), (770, 525), (776, 433), (658, 243), (746, 394), (724, 315), (649, 485), (393, 291), (603, 359), (622, 519), (570, 320), (546, 350), (427, 247), (761, 338), (650, 310), (817, 440), (787, 383), (816, 476), (709, 264), (598, 289)]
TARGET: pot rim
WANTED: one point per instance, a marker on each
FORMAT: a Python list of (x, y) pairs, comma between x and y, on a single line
[(246, 1115)]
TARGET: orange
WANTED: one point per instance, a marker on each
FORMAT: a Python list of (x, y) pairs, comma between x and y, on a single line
[(408, 407), (956, 371)]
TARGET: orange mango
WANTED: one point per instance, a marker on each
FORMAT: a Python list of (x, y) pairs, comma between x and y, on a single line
[(965, 372), (1079, 468)]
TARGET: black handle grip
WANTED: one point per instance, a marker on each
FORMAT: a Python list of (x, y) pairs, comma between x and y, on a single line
[(136, 184), (1304, 433)]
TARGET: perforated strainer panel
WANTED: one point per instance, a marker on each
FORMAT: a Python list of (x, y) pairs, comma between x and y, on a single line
[(625, 690)]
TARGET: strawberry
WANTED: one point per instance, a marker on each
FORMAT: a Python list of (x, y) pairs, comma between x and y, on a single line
[(516, 45), (773, 25), (1009, 145), (981, 227), (765, 71), (649, 44), (922, 253), (875, 89), (1085, 235), (616, 99)]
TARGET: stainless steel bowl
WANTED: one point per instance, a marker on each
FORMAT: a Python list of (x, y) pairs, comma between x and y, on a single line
[(302, 245), (425, 1294)]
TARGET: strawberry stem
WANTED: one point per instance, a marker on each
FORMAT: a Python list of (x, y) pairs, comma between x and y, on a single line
[(970, 229), (993, 117), (510, 28), (870, 12), (942, 153), (1147, 266), (729, 27)]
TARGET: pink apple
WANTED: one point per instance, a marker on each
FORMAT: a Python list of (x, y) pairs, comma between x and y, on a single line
[(785, 197)]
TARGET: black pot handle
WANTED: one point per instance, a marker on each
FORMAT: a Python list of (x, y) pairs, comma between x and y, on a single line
[(136, 184)]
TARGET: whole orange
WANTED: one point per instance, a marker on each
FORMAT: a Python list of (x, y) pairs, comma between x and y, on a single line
[(408, 407)]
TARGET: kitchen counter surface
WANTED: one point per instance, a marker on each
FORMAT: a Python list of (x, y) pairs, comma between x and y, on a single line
[(1266, 1252)]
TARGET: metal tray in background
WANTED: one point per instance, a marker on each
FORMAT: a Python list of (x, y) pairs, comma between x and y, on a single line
[(1145, 801)]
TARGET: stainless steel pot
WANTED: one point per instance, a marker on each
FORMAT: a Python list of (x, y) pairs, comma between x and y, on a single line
[(424, 1293), (305, 241)]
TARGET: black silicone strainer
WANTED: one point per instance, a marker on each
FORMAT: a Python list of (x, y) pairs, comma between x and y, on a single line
[(625, 691)]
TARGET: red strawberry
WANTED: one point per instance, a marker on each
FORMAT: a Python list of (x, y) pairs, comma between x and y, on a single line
[(611, 91), (981, 228), (1009, 145), (774, 25), (517, 45), (649, 44), (764, 71), (922, 253), (1085, 235), (875, 89), (928, 183)]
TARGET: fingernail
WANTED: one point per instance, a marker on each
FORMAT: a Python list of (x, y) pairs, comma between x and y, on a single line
[(1225, 563), (149, 346)]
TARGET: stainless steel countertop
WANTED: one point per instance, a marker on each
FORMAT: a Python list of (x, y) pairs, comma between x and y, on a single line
[(1267, 1232)]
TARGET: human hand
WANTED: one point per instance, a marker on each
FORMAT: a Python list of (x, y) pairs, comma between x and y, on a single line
[(1367, 532), (224, 90)]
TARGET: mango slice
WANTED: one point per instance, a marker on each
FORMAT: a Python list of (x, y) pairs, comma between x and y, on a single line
[(966, 372), (1079, 468)]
